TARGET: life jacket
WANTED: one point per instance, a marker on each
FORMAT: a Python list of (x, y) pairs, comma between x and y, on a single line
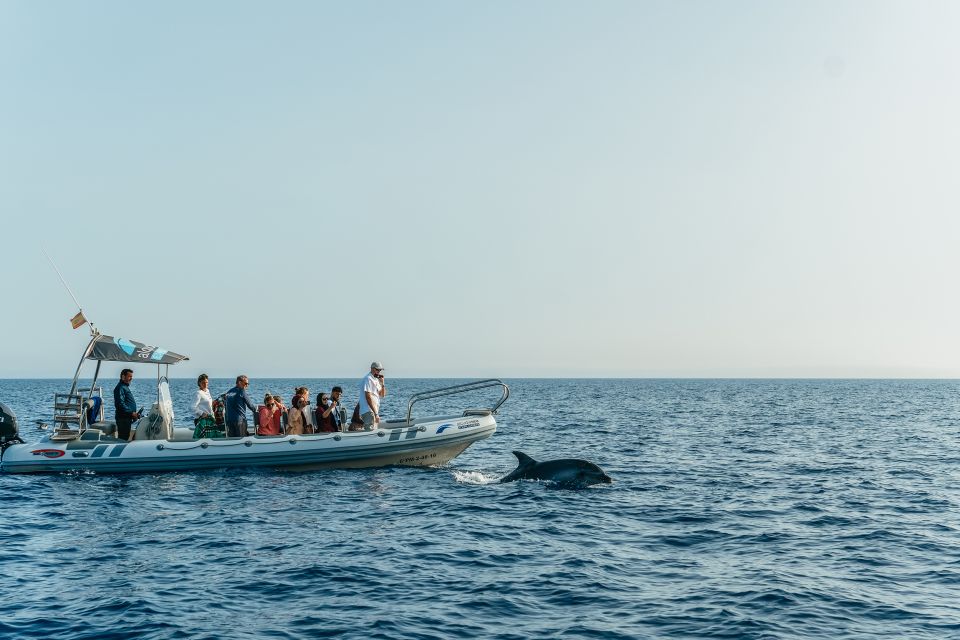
[(218, 412), (93, 411)]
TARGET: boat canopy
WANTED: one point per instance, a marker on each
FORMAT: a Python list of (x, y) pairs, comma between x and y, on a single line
[(112, 349)]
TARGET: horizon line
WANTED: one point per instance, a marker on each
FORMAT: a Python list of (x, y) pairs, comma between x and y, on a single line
[(562, 377)]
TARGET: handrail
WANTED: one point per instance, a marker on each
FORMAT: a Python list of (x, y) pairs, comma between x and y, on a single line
[(458, 388)]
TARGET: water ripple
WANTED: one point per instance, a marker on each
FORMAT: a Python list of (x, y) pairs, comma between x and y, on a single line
[(740, 509)]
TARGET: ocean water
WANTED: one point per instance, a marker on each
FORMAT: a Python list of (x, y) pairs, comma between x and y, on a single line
[(739, 509)]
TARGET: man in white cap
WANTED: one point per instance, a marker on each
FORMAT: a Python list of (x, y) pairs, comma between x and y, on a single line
[(372, 389)]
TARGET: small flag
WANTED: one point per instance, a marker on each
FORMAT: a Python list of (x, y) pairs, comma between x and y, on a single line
[(78, 320)]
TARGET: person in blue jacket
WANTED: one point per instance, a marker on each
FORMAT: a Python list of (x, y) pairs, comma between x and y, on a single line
[(126, 406), (235, 407)]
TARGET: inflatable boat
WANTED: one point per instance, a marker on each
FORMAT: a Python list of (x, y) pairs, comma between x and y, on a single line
[(82, 441)]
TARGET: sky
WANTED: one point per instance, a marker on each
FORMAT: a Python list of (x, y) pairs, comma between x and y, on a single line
[(465, 189)]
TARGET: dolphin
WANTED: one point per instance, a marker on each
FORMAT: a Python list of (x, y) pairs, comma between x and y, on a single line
[(565, 473)]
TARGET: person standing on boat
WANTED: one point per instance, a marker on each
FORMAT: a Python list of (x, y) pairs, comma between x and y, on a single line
[(203, 401), (236, 405), (125, 405), (203, 420), (372, 388)]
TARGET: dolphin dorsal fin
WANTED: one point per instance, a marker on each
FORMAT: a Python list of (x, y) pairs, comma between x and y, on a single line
[(523, 460)]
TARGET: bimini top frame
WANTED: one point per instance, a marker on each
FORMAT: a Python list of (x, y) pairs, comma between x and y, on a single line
[(110, 349)]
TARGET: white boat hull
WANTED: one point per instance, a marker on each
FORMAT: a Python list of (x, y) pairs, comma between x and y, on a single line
[(427, 442)]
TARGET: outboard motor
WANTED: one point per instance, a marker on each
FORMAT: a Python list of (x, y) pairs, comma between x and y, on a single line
[(9, 432)]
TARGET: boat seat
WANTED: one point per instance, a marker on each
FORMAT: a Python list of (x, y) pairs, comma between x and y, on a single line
[(108, 428), (63, 435), (182, 434)]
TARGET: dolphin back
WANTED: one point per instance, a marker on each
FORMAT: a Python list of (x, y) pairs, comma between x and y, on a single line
[(567, 472), (524, 462)]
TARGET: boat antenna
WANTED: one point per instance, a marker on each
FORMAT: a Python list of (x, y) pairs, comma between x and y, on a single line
[(79, 318)]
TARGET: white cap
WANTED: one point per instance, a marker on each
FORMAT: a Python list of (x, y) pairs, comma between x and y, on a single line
[(376, 365)]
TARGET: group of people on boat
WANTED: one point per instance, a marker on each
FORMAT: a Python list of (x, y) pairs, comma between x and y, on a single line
[(226, 416)]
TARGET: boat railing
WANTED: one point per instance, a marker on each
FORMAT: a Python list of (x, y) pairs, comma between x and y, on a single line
[(459, 388)]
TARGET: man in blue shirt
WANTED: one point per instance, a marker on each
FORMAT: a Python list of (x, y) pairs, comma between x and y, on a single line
[(236, 406), (126, 406)]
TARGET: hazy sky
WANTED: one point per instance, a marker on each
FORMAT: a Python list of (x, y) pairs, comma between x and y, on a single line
[(485, 188)]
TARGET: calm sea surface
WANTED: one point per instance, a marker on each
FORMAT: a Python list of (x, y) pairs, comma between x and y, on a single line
[(740, 509)]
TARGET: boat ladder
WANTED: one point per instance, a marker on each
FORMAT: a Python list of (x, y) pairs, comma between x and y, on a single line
[(69, 413)]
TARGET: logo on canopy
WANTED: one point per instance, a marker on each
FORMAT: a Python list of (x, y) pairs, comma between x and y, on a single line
[(126, 345)]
